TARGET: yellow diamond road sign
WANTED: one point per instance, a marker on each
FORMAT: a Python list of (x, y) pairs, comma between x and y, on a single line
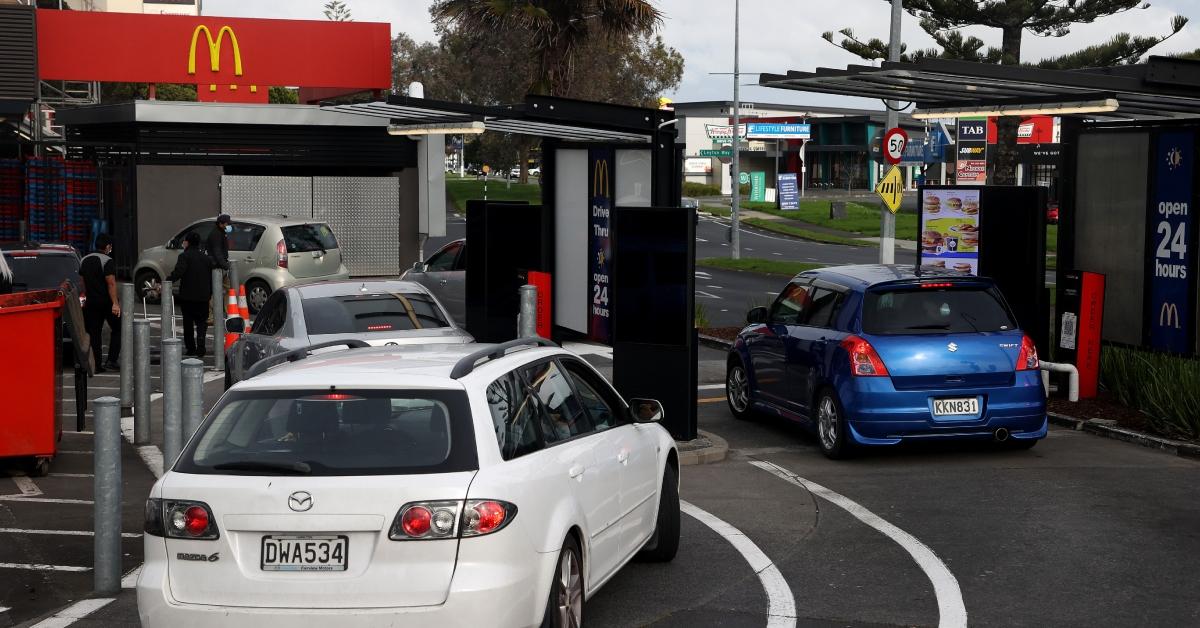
[(891, 189)]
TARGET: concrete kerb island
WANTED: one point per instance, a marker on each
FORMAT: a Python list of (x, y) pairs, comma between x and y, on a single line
[(1109, 429), (706, 449)]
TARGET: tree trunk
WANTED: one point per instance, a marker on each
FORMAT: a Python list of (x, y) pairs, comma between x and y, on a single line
[(1005, 172)]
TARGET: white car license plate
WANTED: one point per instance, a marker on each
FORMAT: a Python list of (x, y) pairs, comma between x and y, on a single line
[(304, 553), (951, 407)]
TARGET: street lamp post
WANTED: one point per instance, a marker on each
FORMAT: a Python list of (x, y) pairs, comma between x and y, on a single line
[(735, 243), (887, 225)]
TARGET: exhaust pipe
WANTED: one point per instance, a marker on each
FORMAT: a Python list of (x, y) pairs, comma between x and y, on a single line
[(1001, 434)]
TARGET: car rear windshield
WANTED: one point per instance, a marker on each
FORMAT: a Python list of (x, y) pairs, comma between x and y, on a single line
[(935, 311), (371, 313), (43, 271), (334, 432), (309, 237)]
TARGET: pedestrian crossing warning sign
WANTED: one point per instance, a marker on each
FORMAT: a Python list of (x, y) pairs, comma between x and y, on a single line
[(891, 189)]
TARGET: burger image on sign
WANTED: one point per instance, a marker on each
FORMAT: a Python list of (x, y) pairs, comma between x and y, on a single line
[(931, 240), (970, 207), (954, 203)]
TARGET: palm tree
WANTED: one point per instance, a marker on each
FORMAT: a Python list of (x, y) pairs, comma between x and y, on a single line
[(555, 29)]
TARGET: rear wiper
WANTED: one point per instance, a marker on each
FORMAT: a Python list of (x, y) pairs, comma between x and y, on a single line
[(301, 468)]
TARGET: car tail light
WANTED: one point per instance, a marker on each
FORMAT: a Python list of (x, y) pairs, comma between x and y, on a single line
[(945, 284), (432, 520), (486, 516), (281, 252), (1027, 359), (178, 519), (864, 361)]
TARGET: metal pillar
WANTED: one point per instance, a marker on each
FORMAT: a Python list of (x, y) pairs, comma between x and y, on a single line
[(218, 315), (106, 485), (167, 299), (527, 321), (735, 240), (127, 315), (193, 396), (887, 224), (172, 401), (141, 382)]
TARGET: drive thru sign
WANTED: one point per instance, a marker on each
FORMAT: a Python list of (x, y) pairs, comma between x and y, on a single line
[(891, 189)]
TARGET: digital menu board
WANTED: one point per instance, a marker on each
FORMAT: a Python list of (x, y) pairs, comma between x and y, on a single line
[(950, 229)]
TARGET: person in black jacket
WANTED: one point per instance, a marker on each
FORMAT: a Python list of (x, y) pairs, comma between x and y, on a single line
[(218, 244), (193, 271), (99, 273)]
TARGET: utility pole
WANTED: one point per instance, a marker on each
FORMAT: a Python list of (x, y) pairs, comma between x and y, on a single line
[(887, 224), (735, 244)]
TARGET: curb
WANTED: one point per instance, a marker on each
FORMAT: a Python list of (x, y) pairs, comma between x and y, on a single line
[(714, 342), (1108, 429), (716, 452)]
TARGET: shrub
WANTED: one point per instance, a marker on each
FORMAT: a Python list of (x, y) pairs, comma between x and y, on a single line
[(691, 188), (1163, 387)]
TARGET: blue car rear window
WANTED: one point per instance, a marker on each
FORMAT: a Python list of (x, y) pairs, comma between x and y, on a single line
[(935, 311)]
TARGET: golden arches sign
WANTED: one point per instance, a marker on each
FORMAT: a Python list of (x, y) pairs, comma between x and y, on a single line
[(214, 52), (600, 178), (1168, 315)]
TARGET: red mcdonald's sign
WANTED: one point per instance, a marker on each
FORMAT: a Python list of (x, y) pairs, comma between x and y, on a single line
[(228, 59)]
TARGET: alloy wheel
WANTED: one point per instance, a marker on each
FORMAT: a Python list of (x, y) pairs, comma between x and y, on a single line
[(570, 591), (738, 389), (256, 297), (151, 287), (827, 423)]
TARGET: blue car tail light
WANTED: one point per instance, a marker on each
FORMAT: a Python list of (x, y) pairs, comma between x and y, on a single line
[(1027, 359), (864, 361)]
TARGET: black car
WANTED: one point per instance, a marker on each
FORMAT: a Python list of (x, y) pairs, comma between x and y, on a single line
[(43, 266)]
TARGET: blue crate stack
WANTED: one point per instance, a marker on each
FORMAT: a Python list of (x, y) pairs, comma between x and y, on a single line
[(82, 183), (45, 196), (12, 198)]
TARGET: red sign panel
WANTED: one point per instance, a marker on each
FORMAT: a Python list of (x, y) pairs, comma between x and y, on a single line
[(543, 283), (1091, 322), (1031, 130), (229, 59)]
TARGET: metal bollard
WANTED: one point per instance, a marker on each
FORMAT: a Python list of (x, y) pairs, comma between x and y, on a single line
[(527, 321), (106, 485), (193, 397), (218, 315), (172, 401), (167, 321), (141, 382), (127, 316)]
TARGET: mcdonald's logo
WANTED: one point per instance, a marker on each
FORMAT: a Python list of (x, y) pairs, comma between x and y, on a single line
[(1168, 316), (214, 53), (600, 179)]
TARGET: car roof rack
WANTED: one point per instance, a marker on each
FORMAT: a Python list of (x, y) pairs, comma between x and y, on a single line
[(468, 363), (258, 368)]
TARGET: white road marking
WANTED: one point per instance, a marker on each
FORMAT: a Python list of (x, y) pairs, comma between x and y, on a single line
[(715, 287), (773, 293), (952, 612), (781, 604), (706, 295), (44, 500), (36, 567), (701, 240), (129, 581), (27, 486), (127, 535), (779, 254), (749, 249), (74, 613), (702, 274), (711, 387), (724, 310), (5, 609)]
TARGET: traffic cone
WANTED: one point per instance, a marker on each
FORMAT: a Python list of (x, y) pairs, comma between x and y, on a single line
[(243, 308), (231, 311)]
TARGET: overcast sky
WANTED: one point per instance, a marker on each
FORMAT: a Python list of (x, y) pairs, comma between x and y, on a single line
[(777, 35)]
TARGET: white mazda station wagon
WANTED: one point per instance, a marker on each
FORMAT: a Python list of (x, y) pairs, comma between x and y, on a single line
[(443, 485)]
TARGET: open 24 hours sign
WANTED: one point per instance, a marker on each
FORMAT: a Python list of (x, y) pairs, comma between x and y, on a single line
[(1171, 252)]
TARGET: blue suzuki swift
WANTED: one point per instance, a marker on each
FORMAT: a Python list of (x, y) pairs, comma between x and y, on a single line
[(879, 355)]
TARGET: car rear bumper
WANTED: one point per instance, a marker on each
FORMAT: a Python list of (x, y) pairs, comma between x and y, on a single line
[(489, 588), (878, 414)]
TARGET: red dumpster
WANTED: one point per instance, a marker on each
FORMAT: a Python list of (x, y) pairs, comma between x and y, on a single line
[(30, 367)]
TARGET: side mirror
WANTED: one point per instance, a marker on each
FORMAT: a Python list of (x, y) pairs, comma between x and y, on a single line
[(173, 243), (418, 267), (756, 315), (235, 325), (646, 410)]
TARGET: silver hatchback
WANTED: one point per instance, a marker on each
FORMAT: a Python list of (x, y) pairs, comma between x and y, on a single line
[(267, 252), (378, 312)]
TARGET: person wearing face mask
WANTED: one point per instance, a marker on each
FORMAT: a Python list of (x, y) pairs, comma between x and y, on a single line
[(218, 243), (98, 271)]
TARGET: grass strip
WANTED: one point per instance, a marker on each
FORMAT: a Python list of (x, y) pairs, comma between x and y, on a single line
[(804, 234), (759, 265)]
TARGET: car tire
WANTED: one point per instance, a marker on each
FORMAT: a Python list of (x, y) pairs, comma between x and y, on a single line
[(564, 605), (664, 544), (832, 436), (148, 286), (257, 292), (737, 390)]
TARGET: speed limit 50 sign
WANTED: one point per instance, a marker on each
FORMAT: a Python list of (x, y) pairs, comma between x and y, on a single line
[(894, 142)]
